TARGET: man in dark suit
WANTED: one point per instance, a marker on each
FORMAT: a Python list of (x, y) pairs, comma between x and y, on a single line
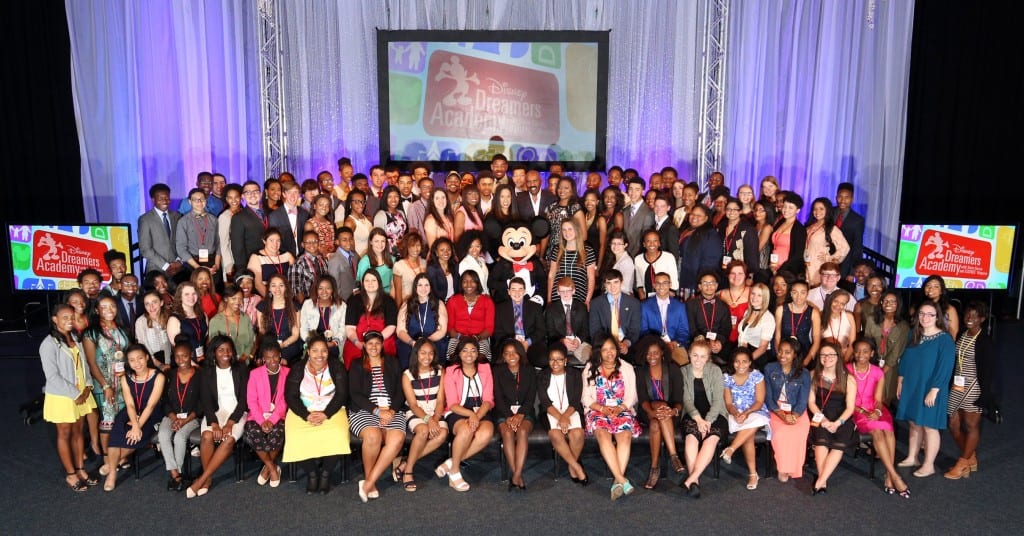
[(664, 316), (637, 216), (534, 201), (852, 226), (667, 230), (129, 304), (709, 317), (156, 231), (568, 322), (290, 219), (522, 320), (247, 226), (616, 313)]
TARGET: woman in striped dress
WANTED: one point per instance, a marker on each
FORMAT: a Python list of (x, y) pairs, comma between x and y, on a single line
[(973, 375), (375, 387), (423, 385)]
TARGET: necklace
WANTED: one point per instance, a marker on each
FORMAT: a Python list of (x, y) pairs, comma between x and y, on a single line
[(857, 374)]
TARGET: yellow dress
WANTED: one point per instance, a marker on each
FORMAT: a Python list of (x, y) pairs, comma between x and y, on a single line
[(62, 409)]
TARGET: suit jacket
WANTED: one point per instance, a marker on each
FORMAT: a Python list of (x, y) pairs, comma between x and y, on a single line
[(507, 392), (125, 318), (853, 232), (700, 251), (533, 323), (634, 226), (340, 270), (246, 236), (208, 391), (573, 389), (554, 319), (721, 321), (629, 316), (258, 396), (678, 325), (279, 219), (525, 207), (671, 384), (156, 247), (360, 385), (415, 215), (669, 234)]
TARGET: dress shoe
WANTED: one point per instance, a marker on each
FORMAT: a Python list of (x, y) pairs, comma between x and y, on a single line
[(962, 469), (313, 483), (325, 482)]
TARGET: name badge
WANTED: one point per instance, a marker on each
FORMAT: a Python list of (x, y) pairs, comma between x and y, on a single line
[(199, 351), (818, 417), (267, 414), (785, 406), (726, 260), (328, 334), (665, 337), (774, 257), (204, 255), (118, 367), (959, 382), (711, 336), (733, 319), (272, 407), (181, 415), (881, 362), (383, 402), (515, 408), (280, 342)]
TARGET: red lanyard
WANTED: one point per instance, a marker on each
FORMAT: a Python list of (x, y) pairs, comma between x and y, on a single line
[(658, 393), (730, 239), (277, 263), (201, 227), (425, 386), (137, 393), (277, 323), (821, 387), (325, 317), (318, 379), (181, 392), (704, 311), (198, 325), (795, 321), (115, 340)]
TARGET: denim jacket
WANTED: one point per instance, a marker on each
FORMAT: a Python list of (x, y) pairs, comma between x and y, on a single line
[(797, 389)]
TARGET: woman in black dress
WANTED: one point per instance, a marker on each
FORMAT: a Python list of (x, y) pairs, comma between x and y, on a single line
[(831, 403)]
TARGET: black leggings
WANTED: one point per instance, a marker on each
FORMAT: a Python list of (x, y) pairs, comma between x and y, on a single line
[(325, 463)]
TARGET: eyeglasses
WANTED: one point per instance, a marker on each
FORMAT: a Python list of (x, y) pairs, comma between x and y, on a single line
[(890, 302), (923, 314), (709, 283), (829, 274), (251, 192)]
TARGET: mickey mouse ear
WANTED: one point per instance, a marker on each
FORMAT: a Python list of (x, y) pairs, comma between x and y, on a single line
[(539, 227)]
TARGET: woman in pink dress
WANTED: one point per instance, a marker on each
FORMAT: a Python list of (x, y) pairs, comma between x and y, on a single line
[(870, 414)]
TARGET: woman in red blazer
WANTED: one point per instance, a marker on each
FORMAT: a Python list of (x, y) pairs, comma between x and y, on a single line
[(264, 431)]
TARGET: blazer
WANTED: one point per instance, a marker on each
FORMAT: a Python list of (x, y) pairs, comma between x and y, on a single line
[(744, 239), (672, 390), (629, 316), (208, 392), (714, 388), (678, 323), (338, 267), (634, 226), (453, 378), (533, 323), (155, 245), (439, 282), (507, 392), (415, 215), (853, 232), (721, 323), (573, 389), (797, 389), (292, 395), (279, 219), (360, 384), (59, 368), (554, 320), (525, 207), (797, 242), (669, 234), (125, 318), (189, 403), (258, 395), (698, 252), (246, 236)]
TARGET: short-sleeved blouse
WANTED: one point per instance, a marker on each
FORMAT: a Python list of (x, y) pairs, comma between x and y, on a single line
[(744, 396)]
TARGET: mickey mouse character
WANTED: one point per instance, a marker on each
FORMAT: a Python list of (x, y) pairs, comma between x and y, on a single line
[(517, 257)]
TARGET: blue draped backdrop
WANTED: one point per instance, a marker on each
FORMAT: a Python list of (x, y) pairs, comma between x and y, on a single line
[(815, 90)]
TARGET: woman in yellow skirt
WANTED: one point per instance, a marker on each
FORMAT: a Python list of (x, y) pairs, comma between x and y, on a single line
[(68, 394), (316, 427)]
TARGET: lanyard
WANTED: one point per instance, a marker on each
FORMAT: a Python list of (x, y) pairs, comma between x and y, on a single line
[(277, 322), (730, 238), (181, 392), (704, 311), (561, 393), (425, 386), (318, 379), (961, 351), (277, 263), (659, 394), (138, 390), (421, 314), (238, 326), (198, 326), (517, 376), (378, 379), (201, 226), (794, 321), (111, 336), (821, 387), (325, 317)]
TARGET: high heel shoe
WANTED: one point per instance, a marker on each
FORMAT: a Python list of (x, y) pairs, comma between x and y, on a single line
[(727, 455), (456, 482), (652, 478), (677, 464), (752, 481), (974, 462), (89, 480), (77, 486), (443, 469), (962, 469)]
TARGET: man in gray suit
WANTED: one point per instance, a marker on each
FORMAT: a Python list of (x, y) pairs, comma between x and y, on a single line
[(622, 323), (342, 265), (156, 230), (637, 216)]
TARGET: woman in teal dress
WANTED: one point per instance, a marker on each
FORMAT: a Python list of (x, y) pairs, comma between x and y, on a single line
[(104, 346), (923, 386)]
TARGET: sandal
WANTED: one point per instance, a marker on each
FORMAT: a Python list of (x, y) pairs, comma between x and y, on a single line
[(89, 480), (652, 478), (77, 486), (677, 464), (396, 468), (752, 481), (408, 485), (443, 469), (727, 455), (456, 482)]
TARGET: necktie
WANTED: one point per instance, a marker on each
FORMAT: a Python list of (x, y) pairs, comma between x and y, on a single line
[(839, 220), (131, 311), (352, 264), (615, 318), (568, 320), (167, 224), (517, 312)]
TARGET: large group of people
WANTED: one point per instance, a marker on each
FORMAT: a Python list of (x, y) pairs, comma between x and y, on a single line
[(297, 317)]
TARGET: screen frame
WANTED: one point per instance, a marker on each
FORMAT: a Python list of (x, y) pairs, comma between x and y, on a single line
[(10, 257), (385, 37), (1010, 281)]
